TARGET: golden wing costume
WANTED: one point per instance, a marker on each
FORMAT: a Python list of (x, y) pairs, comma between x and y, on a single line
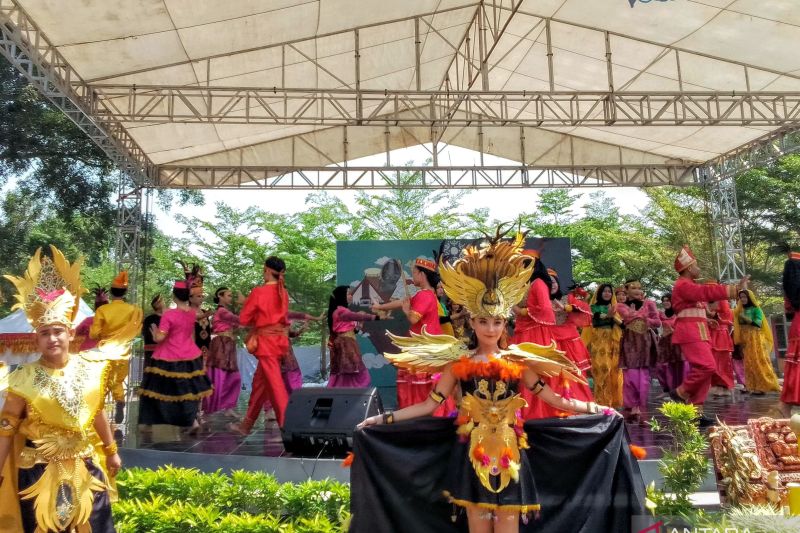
[(54, 473), (488, 281)]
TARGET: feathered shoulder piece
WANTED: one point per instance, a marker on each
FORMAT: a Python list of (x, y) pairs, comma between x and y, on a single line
[(544, 360), (488, 280), (50, 289), (423, 352)]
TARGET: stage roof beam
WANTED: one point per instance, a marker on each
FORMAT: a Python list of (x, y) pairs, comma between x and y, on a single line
[(335, 107)]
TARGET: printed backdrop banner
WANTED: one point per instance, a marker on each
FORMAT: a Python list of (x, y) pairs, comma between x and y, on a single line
[(372, 270)]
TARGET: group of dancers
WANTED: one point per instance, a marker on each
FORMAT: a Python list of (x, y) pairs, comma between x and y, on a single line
[(695, 344), (58, 451)]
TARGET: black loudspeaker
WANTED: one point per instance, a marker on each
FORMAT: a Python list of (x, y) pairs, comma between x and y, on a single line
[(321, 421)]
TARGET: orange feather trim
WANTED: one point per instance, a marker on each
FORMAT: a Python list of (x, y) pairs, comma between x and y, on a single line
[(638, 452), (466, 369), (348, 460)]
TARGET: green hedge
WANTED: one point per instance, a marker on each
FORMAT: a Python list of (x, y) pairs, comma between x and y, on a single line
[(176, 500)]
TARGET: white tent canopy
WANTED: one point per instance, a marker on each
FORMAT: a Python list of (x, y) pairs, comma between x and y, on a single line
[(218, 94), (16, 322)]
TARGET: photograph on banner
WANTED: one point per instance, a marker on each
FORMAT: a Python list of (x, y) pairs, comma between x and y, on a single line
[(380, 272)]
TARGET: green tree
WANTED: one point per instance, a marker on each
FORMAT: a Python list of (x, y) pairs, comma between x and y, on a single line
[(606, 245), (407, 213), (768, 200)]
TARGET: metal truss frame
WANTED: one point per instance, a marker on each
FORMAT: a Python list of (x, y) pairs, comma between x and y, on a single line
[(726, 229), (450, 177), (463, 99), (759, 152), (441, 109), (27, 48), (129, 230)]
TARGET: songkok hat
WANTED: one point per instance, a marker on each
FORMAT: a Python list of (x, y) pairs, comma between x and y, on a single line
[(684, 259)]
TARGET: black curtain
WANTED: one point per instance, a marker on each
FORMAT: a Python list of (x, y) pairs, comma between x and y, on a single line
[(586, 478)]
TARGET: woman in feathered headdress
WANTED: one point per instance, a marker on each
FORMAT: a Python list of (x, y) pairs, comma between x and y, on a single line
[(55, 478), (489, 477)]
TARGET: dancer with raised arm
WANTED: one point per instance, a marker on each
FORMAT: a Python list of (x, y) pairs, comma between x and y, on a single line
[(488, 475)]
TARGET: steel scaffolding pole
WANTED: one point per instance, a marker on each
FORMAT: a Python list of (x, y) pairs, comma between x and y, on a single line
[(726, 229), (128, 231)]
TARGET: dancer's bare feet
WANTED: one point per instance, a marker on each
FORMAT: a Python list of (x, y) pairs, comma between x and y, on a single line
[(786, 410), (237, 429), (231, 413), (194, 430)]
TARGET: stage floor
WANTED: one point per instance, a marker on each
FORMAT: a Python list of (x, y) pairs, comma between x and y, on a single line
[(266, 441)]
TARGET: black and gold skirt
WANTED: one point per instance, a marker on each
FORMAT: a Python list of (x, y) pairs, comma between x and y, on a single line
[(100, 519), (171, 392)]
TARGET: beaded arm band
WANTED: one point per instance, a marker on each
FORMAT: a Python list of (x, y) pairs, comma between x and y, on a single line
[(8, 425), (437, 397), (538, 386)]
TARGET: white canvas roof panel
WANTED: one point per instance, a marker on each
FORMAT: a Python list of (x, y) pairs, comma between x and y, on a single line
[(306, 83)]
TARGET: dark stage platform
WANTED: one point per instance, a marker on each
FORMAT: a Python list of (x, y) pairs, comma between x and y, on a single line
[(217, 448), (265, 441)]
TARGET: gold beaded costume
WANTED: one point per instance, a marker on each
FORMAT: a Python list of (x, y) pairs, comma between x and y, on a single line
[(54, 478), (487, 469)]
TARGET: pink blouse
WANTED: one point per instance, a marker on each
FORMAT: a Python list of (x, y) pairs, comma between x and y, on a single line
[(224, 320), (346, 320), (648, 312), (179, 343)]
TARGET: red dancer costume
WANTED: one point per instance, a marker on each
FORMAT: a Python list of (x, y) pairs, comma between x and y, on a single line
[(720, 322), (571, 313), (670, 366), (790, 395), (266, 311), (689, 300), (534, 323), (422, 311)]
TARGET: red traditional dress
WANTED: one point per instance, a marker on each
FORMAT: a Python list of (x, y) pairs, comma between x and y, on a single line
[(722, 345), (414, 388), (691, 329), (791, 290), (535, 325), (575, 314)]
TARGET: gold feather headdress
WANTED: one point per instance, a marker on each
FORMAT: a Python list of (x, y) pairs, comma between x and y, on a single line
[(488, 280), (50, 290)]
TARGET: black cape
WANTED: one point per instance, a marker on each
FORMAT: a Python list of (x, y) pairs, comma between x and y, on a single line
[(585, 475)]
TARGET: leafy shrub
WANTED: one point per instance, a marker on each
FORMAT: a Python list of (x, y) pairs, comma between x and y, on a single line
[(176, 500), (684, 465)]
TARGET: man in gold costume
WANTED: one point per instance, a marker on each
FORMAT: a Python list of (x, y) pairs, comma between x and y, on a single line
[(57, 451), (108, 320)]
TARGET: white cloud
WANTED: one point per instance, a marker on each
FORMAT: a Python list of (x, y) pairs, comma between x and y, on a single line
[(373, 360)]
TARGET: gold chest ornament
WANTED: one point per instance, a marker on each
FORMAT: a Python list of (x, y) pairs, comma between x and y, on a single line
[(494, 448)]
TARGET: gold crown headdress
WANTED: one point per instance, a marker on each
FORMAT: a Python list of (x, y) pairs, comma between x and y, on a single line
[(489, 279), (50, 290)]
